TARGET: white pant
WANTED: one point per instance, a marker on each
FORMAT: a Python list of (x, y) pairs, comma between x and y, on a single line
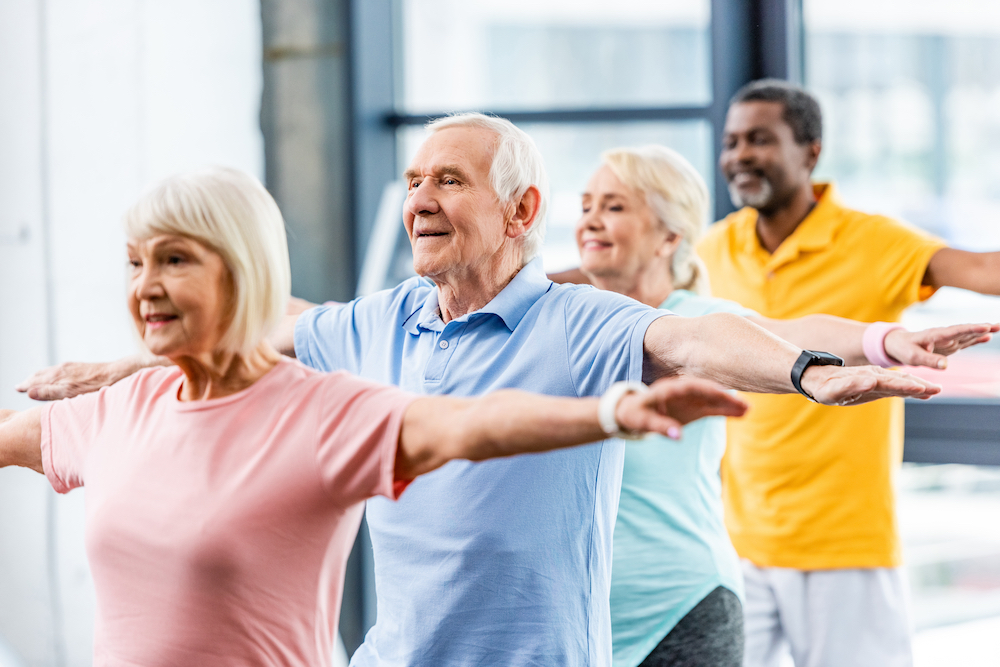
[(828, 618)]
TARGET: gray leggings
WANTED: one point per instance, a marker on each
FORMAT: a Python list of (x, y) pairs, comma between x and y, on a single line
[(710, 635)]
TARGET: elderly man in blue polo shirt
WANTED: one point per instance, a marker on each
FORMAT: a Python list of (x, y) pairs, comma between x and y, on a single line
[(508, 562)]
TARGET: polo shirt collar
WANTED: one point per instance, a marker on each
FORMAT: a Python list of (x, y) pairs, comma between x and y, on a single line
[(510, 305), (814, 233)]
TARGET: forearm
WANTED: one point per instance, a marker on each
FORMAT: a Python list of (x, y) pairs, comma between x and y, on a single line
[(21, 439), (837, 335), (441, 428), (728, 349), (975, 271)]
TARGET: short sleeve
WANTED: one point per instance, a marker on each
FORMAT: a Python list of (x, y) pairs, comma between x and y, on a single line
[(70, 428), (904, 253), (358, 426), (604, 336), (329, 338)]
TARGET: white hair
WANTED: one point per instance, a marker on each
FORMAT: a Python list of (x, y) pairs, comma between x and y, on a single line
[(517, 165), (230, 212), (678, 196)]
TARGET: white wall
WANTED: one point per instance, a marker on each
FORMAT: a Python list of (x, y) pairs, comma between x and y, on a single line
[(98, 99)]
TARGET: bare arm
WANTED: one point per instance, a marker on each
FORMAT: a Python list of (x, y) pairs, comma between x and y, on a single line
[(844, 337), (976, 271), (21, 439), (737, 353), (437, 429)]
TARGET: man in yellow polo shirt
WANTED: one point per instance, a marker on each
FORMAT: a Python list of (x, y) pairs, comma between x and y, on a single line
[(808, 490)]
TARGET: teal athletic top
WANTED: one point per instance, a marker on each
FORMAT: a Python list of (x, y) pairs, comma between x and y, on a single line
[(671, 548)]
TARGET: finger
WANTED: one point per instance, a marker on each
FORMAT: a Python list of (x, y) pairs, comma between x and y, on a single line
[(664, 425), (48, 392)]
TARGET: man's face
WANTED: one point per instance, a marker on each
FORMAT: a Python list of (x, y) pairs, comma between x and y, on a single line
[(451, 214), (761, 161)]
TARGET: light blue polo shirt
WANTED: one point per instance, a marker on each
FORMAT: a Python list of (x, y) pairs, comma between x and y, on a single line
[(671, 545), (505, 562)]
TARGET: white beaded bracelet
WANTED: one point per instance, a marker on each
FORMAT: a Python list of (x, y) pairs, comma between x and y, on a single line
[(609, 405)]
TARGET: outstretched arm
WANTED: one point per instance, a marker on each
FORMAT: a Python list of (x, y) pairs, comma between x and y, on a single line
[(739, 354), (437, 429), (21, 439), (74, 378), (976, 271), (844, 337)]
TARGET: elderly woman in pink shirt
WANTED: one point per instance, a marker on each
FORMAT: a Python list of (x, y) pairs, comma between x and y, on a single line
[(224, 490)]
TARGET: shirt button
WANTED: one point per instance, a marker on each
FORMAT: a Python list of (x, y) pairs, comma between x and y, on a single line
[(443, 345)]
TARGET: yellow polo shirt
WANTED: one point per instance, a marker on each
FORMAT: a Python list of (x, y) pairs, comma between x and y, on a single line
[(807, 486)]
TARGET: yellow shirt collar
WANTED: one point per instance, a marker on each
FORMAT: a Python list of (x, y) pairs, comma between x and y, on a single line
[(815, 232)]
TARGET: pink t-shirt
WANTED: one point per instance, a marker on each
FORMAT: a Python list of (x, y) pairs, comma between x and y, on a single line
[(218, 531)]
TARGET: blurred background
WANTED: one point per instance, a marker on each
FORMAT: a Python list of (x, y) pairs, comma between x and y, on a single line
[(325, 101)]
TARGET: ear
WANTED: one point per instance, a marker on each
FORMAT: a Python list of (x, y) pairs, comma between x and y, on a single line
[(525, 213), (669, 245), (812, 154)]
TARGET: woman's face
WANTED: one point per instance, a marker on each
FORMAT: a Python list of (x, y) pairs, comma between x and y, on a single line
[(180, 295), (618, 235)]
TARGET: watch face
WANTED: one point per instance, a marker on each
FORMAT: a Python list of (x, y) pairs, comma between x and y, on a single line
[(826, 359)]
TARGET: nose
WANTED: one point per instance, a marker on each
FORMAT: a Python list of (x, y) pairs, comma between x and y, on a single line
[(589, 220), (421, 200), (146, 284)]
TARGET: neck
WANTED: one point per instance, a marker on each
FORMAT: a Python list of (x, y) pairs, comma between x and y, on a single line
[(218, 374), (466, 291), (774, 226), (651, 286)]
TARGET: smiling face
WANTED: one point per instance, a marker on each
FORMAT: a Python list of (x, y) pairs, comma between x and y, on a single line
[(761, 161), (618, 235), (452, 216), (180, 295)]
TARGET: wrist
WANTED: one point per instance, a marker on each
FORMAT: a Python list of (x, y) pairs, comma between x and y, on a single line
[(607, 410), (873, 343)]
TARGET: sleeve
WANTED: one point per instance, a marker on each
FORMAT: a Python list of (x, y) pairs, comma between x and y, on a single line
[(358, 426), (70, 428), (604, 338), (328, 338), (903, 255)]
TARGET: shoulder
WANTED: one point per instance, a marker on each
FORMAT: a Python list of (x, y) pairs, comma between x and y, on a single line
[(880, 231), (588, 298)]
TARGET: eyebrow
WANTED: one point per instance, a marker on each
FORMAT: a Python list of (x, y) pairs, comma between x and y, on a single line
[(446, 170)]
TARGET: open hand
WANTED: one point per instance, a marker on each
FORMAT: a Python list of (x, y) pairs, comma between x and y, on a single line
[(74, 378), (853, 385), (930, 347), (672, 402)]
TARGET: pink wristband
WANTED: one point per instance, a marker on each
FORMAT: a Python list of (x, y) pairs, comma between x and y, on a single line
[(873, 343)]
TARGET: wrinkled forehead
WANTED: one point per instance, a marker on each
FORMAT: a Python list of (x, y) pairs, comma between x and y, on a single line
[(469, 148)]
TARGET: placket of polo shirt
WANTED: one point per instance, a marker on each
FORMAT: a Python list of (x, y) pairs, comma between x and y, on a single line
[(444, 348)]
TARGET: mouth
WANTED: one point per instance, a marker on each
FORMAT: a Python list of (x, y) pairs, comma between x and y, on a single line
[(746, 178), (593, 245), (158, 320)]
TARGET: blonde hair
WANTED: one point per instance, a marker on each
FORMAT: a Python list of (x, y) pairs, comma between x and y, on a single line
[(517, 165), (678, 196), (230, 212)]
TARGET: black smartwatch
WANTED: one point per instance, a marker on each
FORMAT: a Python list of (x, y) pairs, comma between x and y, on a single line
[(811, 358)]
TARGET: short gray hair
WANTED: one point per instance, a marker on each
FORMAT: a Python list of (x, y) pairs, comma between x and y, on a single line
[(517, 165), (230, 212)]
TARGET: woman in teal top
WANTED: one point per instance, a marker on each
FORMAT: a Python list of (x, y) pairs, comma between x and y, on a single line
[(676, 583)]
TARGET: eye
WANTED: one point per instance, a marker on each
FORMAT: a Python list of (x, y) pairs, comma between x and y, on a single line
[(586, 209), (134, 263), (617, 208), (414, 184), (175, 259), (450, 181)]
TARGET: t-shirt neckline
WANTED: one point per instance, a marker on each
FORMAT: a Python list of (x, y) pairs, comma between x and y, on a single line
[(213, 403)]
